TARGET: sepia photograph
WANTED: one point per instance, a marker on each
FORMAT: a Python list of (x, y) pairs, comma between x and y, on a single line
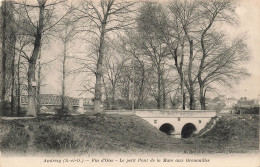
[(157, 83)]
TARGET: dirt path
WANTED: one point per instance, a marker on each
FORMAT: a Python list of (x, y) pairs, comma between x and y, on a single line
[(31, 145), (14, 118)]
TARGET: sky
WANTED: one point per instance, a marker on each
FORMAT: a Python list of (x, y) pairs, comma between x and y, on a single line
[(249, 14)]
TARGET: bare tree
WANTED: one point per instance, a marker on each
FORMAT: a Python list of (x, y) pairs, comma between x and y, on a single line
[(186, 13), (222, 64), (152, 44), (193, 23), (213, 12), (41, 66), (130, 45), (22, 42), (105, 16), (13, 40), (36, 27), (114, 62), (189, 29), (3, 52), (66, 33)]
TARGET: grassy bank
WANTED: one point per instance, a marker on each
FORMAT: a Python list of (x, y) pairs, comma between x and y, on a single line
[(102, 133)]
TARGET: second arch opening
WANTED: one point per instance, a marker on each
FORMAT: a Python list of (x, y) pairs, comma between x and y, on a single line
[(187, 130)]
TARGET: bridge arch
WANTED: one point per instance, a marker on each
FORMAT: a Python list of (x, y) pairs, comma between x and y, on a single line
[(187, 130), (167, 128)]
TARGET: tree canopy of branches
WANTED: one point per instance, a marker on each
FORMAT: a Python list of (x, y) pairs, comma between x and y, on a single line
[(36, 21), (102, 17), (149, 52), (202, 54)]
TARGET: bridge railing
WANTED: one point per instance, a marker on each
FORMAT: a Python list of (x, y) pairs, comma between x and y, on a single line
[(56, 100)]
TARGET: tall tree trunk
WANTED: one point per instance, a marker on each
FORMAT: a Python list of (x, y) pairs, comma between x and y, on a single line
[(202, 96), (32, 61), (133, 87), (141, 90), (12, 39), (98, 94), (12, 89), (106, 94), (127, 94), (31, 89), (64, 74), (184, 101), (181, 73), (13, 76), (183, 93), (192, 99), (18, 90), (38, 93), (201, 83), (4, 54), (99, 72), (201, 67), (164, 91), (113, 95), (191, 91), (159, 88)]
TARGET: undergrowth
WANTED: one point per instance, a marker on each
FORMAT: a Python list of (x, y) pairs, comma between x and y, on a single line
[(96, 133)]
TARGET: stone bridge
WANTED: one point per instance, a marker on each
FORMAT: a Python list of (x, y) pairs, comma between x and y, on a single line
[(181, 124)]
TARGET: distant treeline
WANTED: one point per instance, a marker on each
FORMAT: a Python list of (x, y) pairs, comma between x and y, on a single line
[(246, 110)]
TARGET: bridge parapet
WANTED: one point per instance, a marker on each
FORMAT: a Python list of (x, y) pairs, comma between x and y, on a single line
[(176, 113)]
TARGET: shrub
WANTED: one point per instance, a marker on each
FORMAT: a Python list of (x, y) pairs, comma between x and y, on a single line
[(63, 111), (6, 110), (16, 140), (48, 139)]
